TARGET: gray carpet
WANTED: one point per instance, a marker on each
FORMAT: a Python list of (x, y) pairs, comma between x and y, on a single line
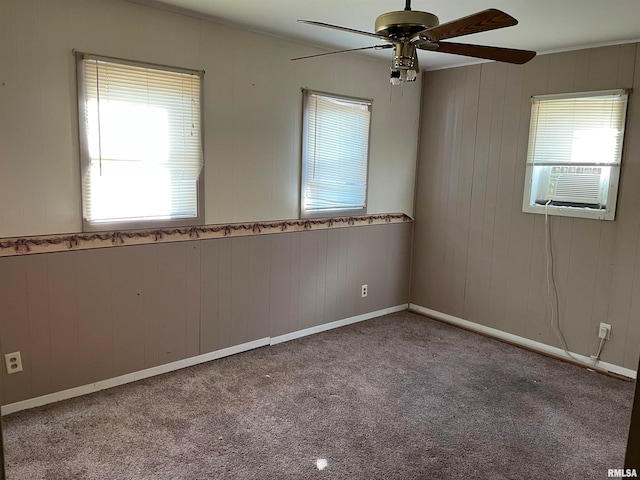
[(398, 397)]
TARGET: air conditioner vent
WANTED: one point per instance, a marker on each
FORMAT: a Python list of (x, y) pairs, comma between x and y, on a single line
[(574, 186), (579, 185)]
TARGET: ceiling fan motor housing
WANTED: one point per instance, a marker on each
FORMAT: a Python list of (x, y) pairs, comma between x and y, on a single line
[(404, 23)]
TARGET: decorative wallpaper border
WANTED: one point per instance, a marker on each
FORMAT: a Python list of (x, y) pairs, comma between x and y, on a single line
[(83, 241)]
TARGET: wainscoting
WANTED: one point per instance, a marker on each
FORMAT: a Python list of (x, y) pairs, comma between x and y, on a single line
[(86, 316)]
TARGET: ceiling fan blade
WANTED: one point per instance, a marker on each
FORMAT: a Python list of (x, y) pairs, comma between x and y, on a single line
[(508, 55), (374, 47), (484, 21), (350, 30)]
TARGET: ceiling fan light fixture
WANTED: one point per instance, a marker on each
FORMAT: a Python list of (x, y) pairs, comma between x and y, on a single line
[(396, 77), (402, 76)]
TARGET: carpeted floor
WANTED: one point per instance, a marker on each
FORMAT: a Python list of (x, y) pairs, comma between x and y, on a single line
[(398, 397)]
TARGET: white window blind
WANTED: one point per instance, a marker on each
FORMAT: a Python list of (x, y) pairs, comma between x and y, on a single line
[(141, 146), (335, 154), (574, 155)]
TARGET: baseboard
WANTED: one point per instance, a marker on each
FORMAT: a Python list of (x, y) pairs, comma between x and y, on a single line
[(521, 341), (338, 323), (131, 377), (187, 362)]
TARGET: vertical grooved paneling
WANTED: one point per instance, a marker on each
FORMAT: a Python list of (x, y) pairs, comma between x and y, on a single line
[(439, 267), (95, 321), (353, 278), (259, 287), (149, 257), (505, 197), (377, 268), (398, 264), (309, 273), (239, 290), (322, 278), (569, 72), (209, 295), (561, 238), (63, 296), (537, 297), (562, 73), (479, 191), (596, 265), (294, 283), (627, 247), (491, 195), (127, 287), (586, 235), (14, 334), (83, 316), (194, 280), (331, 276), (521, 225), (581, 281), (429, 198), (450, 223), (604, 285), (172, 302), (39, 324), (224, 292), (341, 297), (465, 187), (280, 285), (366, 252)]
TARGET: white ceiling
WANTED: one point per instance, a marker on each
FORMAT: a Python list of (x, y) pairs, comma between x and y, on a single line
[(544, 25)]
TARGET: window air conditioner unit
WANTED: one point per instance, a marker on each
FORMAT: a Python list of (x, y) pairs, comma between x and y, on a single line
[(576, 186)]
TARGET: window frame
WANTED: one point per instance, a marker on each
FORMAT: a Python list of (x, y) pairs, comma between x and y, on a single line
[(616, 168), (306, 93), (85, 158)]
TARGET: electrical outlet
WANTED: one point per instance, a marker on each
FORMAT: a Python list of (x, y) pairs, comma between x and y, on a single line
[(13, 362), (364, 290), (605, 331)]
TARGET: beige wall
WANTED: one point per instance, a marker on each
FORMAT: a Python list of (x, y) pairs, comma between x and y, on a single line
[(476, 255), (84, 316), (252, 110)]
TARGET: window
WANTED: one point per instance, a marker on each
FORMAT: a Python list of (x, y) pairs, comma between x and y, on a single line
[(575, 150), (335, 155), (140, 144)]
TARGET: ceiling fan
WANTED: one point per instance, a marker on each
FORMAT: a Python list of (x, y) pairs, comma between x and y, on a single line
[(407, 30)]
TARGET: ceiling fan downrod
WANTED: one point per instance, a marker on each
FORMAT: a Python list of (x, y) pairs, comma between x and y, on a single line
[(407, 5)]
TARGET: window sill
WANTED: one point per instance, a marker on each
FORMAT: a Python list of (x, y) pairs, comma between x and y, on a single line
[(566, 211)]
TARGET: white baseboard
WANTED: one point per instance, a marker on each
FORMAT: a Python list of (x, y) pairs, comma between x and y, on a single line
[(339, 323), (524, 342), (187, 362), (131, 377)]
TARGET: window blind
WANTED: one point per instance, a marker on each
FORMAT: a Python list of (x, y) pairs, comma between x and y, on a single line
[(335, 153), (142, 152), (578, 128)]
